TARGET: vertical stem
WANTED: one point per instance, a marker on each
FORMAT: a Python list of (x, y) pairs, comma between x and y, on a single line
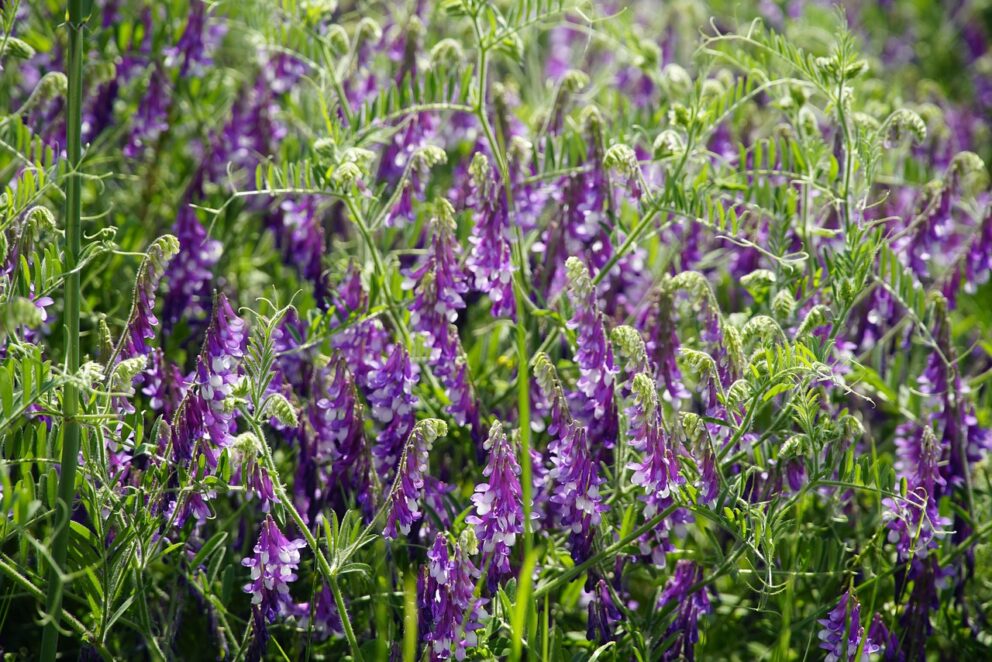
[(70, 395)]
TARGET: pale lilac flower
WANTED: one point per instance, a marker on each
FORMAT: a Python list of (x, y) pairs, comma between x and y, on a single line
[(273, 564)]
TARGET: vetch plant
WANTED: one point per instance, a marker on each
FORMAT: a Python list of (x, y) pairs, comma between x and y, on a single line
[(482, 330)]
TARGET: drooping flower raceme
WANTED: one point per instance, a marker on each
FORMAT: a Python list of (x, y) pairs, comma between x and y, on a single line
[(449, 613), (408, 492), (438, 292), (217, 372), (842, 633), (689, 606), (914, 522), (594, 355), (574, 475), (498, 515), (191, 271), (490, 262), (273, 565), (658, 470)]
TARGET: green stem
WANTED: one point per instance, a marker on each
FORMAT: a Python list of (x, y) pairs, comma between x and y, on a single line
[(345, 621), (70, 402)]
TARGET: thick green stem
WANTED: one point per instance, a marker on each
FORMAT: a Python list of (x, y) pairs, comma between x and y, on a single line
[(70, 396)]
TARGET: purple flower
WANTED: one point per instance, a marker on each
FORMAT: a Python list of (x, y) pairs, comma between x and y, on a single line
[(152, 116), (249, 473), (194, 50), (361, 340), (498, 516), (273, 568), (191, 271), (658, 472), (300, 237), (217, 372), (450, 615), (164, 384), (844, 623), (339, 446), (389, 390), (438, 289), (689, 604), (594, 356), (491, 260), (603, 615), (579, 227), (408, 491), (914, 522), (141, 322), (658, 322), (574, 478)]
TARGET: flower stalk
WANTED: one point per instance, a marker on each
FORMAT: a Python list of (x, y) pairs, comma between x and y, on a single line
[(70, 402)]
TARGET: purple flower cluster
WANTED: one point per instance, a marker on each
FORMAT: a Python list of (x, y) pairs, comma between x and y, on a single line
[(438, 289), (842, 635), (389, 390), (273, 564), (689, 602), (573, 479), (491, 262), (408, 493), (498, 514), (450, 613), (594, 356)]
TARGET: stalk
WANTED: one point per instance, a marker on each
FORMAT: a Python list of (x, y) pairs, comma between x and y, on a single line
[(70, 396)]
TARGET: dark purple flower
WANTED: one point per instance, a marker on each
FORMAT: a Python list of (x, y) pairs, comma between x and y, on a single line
[(689, 603), (574, 478), (843, 624), (389, 390), (408, 492), (498, 517), (594, 356), (491, 261), (450, 615), (190, 273), (273, 568), (438, 289), (217, 373), (603, 615)]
